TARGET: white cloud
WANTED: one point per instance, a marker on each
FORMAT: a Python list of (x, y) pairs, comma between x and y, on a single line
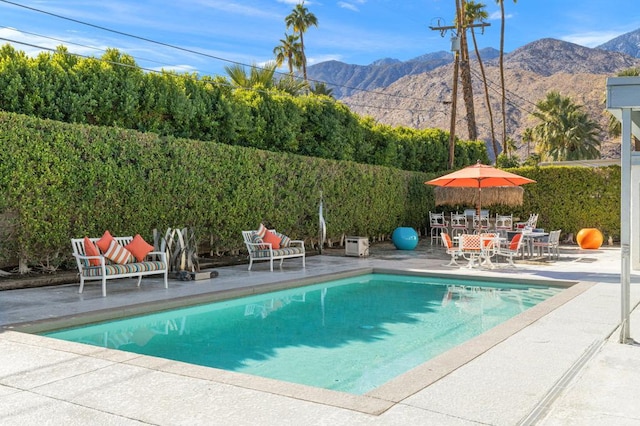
[(323, 58), (497, 16), (591, 39), (349, 6)]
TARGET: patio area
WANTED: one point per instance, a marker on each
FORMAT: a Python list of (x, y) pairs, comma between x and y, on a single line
[(564, 367)]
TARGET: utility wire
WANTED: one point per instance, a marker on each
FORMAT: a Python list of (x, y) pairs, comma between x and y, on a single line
[(195, 52)]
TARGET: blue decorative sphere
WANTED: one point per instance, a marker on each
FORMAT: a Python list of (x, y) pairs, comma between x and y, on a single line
[(404, 238)]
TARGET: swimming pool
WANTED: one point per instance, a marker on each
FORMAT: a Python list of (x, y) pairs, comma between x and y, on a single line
[(349, 335)]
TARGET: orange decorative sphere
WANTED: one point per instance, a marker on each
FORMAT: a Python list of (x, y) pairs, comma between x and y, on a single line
[(589, 238)]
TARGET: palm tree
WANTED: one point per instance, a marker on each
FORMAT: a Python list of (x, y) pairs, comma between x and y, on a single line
[(321, 88), (465, 75), (289, 49), (565, 131), (292, 85), (475, 12), (258, 76), (504, 92), (300, 19)]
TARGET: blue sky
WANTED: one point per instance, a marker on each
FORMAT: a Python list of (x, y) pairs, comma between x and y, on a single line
[(246, 31)]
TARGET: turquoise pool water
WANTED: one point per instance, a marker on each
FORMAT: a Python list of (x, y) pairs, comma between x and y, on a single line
[(350, 335)]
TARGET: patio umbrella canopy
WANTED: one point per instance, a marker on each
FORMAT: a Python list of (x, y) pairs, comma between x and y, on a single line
[(479, 176), (497, 195)]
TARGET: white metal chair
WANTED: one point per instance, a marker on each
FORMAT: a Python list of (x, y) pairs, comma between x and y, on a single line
[(532, 222), (481, 222), (510, 249), (452, 249), (552, 245), (459, 223), (488, 248), (503, 224), (437, 223), (470, 248)]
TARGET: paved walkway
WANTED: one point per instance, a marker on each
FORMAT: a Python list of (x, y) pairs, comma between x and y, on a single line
[(562, 367)]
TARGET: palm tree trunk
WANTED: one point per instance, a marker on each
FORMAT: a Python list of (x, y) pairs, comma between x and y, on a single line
[(494, 143), (504, 94), (304, 57), (454, 107), (467, 89)]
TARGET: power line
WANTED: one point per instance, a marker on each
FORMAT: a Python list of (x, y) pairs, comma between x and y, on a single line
[(195, 52)]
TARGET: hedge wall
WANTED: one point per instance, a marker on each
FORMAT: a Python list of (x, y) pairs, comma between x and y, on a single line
[(62, 181)]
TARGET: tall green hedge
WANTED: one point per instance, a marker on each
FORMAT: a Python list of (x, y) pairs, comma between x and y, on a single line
[(63, 181)]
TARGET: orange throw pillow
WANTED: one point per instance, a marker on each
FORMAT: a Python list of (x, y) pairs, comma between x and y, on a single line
[(270, 237), (104, 241), (90, 249), (139, 248)]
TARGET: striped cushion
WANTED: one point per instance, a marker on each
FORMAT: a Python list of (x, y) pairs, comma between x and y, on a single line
[(261, 230), (128, 268), (257, 239), (280, 252), (284, 240), (117, 253)]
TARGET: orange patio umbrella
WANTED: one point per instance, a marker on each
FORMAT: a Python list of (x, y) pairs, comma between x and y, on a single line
[(479, 176)]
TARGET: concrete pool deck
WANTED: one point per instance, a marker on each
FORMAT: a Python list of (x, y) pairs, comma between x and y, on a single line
[(564, 367)]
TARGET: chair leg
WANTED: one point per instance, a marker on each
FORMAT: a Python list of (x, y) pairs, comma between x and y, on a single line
[(81, 283), (104, 286)]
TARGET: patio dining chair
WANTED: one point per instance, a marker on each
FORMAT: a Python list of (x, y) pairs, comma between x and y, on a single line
[(452, 250), (437, 223), (510, 249), (459, 223), (552, 245), (481, 222), (470, 248), (504, 223), (531, 223)]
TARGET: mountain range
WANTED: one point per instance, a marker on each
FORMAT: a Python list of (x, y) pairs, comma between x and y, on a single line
[(417, 93)]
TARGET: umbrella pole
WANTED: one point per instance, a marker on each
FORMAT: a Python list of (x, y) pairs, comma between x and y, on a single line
[(479, 209)]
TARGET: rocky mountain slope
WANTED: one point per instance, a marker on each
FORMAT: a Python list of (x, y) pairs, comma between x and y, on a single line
[(422, 100), (346, 79)]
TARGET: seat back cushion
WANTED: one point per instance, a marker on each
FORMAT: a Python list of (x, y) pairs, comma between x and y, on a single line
[(91, 250), (515, 242)]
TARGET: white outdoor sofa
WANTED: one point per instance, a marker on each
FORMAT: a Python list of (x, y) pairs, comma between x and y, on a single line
[(260, 250), (154, 264)]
